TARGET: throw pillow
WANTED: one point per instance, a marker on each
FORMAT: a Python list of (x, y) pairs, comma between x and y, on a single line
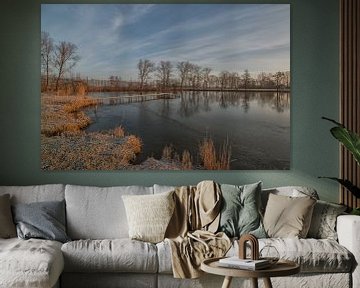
[(149, 215), (7, 227), (240, 213), (288, 217), (323, 222), (43, 220)]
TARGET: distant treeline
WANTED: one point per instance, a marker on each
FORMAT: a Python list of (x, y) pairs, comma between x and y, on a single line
[(58, 60)]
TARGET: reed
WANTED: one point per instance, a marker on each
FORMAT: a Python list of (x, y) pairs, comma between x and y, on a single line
[(186, 160), (212, 160)]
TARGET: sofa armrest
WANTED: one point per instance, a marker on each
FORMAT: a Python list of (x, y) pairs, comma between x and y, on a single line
[(348, 230)]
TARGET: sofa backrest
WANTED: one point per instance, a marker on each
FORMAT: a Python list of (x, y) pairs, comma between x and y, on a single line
[(36, 193), (98, 212)]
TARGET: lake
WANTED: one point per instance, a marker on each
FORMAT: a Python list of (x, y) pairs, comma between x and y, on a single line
[(257, 125)]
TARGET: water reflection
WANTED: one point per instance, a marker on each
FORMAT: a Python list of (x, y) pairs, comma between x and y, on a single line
[(257, 124)]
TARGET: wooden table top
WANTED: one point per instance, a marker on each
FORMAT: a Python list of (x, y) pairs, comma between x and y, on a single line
[(281, 268)]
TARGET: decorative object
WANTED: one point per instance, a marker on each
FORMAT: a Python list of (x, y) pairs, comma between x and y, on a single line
[(254, 246), (148, 91), (269, 252)]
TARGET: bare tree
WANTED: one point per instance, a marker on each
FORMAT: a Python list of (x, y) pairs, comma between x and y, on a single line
[(246, 77), (206, 77), (195, 76), (47, 55), (164, 70), (224, 77), (145, 68), (279, 78), (65, 59), (184, 69)]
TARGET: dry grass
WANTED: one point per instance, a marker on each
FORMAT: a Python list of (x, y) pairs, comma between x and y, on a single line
[(89, 151), (62, 114), (167, 153), (212, 160), (64, 146), (119, 132), (186, 160)]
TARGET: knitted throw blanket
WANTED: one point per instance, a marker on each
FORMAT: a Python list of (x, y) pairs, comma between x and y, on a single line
[(191, 231)]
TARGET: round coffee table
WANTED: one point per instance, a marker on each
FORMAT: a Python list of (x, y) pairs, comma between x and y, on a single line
[(281, 268)]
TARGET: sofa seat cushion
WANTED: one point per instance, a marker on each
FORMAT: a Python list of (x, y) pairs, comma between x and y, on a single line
[(115, 255), (313, 255), (30, 263)]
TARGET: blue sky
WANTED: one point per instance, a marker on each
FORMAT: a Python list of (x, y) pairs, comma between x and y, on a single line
[(113, 37)]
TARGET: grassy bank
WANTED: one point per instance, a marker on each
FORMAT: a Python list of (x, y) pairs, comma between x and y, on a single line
[(65, 146)]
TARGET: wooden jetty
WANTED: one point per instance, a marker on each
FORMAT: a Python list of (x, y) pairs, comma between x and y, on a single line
[(115, 100)]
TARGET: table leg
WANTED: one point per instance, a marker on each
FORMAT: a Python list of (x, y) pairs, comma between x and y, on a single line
[(254, 282), (267, 283), (227, 282)]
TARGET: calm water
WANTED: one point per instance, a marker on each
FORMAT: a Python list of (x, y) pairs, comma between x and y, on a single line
[(257, 125)]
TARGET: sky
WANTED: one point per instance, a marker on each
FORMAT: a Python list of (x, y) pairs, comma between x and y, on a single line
[(112, 38)]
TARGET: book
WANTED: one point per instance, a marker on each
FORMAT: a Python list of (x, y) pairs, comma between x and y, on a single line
[(236, 262)]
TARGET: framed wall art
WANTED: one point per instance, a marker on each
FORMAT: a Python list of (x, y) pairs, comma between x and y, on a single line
[(165, 86)]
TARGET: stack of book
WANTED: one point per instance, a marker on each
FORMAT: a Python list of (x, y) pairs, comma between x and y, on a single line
[(248, 264)]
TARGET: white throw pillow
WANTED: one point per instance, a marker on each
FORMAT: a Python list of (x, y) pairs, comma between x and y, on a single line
[(149, 215)]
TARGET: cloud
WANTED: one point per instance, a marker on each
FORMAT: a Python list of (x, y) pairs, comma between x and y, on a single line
[(113, 37)]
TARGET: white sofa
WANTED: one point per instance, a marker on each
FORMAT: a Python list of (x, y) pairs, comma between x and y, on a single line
[(101, 254)]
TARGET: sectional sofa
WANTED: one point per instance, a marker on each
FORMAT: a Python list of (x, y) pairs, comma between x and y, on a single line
[(100, 253)]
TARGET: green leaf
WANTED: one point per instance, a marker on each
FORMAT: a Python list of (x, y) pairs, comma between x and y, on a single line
[(349, 139), (347, 184)]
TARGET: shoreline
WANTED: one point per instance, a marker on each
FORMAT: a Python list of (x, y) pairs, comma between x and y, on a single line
[(66, 146)]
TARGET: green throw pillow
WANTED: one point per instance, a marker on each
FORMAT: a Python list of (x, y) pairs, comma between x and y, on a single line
[(240, 213)]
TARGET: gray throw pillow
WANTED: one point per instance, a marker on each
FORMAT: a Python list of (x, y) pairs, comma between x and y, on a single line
[(240, 213), (323, 222), (44, 220), (7, 227)]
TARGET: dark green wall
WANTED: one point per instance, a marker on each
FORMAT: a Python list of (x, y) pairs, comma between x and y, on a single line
[(314, 66)]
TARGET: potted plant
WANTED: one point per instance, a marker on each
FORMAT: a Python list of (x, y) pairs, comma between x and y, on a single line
[(351, 141)]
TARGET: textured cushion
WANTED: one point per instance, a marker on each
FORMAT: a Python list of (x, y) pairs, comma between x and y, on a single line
[(7, 227), (31, 263), (36, 193), (240, 213), (287, 216), (98, 213), (323, 222), (117, 255), (44, 220), (149, 215)]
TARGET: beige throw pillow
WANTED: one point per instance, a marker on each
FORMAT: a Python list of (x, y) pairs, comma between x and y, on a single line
[(7, 226), (288, 217), (148, 215)]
